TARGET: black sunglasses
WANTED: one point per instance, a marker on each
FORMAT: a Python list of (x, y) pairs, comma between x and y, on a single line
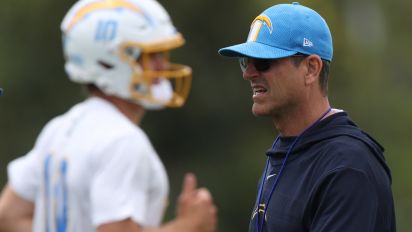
[(261, 65)]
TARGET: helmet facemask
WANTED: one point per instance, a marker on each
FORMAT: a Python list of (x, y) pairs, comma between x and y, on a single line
[(152, 86)]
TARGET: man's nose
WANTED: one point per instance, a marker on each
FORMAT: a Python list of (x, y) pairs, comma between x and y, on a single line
[(250, 72)]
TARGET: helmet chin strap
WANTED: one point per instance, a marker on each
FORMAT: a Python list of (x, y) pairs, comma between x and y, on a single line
[(161, 92)]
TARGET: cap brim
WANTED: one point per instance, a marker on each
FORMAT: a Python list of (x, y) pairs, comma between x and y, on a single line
[(255, 50)]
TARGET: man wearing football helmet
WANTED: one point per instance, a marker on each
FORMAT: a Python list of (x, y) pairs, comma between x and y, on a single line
[(92, 168)]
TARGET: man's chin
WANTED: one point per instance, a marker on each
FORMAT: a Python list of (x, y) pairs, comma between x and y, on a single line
[(259, 111)]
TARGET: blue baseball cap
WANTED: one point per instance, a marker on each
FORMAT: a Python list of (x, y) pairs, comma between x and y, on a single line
[(284, 30)]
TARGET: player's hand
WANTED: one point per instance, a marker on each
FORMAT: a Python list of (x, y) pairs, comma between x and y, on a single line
[(195, 207)]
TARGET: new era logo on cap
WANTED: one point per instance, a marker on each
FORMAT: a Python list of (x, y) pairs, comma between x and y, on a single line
[(307, 43)]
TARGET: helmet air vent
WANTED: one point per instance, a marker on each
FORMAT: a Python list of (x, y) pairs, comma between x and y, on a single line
[(105, 64)]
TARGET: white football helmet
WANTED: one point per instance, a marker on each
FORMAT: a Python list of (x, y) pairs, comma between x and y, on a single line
[(109, 43)]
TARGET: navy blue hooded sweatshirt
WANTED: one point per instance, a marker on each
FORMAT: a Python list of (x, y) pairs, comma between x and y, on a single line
[(335, 179)]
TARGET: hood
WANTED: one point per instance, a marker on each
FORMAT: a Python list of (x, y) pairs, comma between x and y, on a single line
[(336, 125)]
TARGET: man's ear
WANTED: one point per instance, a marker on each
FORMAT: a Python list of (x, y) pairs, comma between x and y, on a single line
[(314, 66)]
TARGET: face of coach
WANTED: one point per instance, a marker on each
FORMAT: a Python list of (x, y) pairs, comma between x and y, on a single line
[(286, 60)]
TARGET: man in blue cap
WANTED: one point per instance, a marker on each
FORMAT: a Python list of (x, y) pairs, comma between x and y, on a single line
[(323, 173)]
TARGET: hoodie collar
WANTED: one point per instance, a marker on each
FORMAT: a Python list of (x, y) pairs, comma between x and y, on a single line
[(335, 125)]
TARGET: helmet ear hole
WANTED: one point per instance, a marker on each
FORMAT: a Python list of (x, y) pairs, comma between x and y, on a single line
[(105, 65)]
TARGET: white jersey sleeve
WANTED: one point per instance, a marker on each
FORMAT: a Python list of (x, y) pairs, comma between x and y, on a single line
[(23, 175), (24, 172)]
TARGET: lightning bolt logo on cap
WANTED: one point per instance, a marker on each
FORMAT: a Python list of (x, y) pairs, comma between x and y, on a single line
[(257, 26)]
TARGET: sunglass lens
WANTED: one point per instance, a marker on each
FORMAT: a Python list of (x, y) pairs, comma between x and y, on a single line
[(243, 62), (261, 65)]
